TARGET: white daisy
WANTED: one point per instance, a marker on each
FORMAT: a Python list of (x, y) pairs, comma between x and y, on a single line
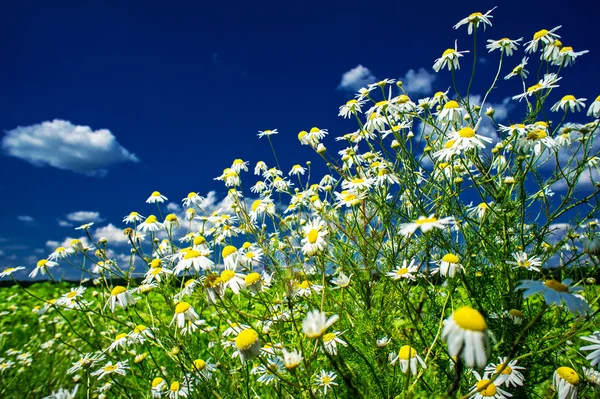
[(522, 260), (450, 58), (509, 372), (565, 381), (425, 224), (409, 359), (594, 356), (156, 197), (475, 19), (316, 323), (465, 331)]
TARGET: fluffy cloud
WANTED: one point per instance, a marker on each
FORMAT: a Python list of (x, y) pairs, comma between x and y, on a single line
[(26, 219), (418, 82), (84, 216), (356, 78), (64, 223), (66, 146), (113, 234), (52, 244)]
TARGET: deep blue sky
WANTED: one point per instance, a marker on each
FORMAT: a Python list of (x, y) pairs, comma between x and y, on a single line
[(185, 86)]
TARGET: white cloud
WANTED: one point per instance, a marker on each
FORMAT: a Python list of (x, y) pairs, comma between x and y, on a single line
[(174, 207), (66, 146), (356, 78), (52, 244), (418, 82), (84, 216), (64, 223), (113, 234), (26, 219)]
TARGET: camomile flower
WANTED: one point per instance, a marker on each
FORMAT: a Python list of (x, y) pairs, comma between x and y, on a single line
[(519, 70), (120, 341), (316, 323), (230, 278), (485, 388), (247, 344), (61, 253), (405, 271), (341, 281), (522, 260), (297, 170), (505, 45), (156, 197), (306, 288), (196, 260), (158, 387), (467, 138), (451, 113), (85, 226), (555, 292), (192, 199), (465, 331), (348, 199), (425, 224), (9, 271), (592, 376), (63, 393), (542, 36), (566, 56), (315, 235), (156, 274), (570, 103), (408, 358), (593, 357), (42, 267), (515, 315), (292, 359), (121, 297), (547, 82), (239, 165), (449, 58), (266, 133), (350, 108), (150, 224), (537, 141), (133, 217), (110, 368), (479, 211), (508, 372), (326, 380), (565, 381), (204, 367), (475, 19), (330, 341), (184, 312), (448, 265), (178, 390)]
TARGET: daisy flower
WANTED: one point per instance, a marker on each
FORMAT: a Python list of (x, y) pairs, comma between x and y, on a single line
[(315, 234), (85, 226), (555, 292), (178, 390), (485, 388), (542, 36), (479, 211), (566, 56), (247, 344), (156, 197), (109, 368), (316, 323), (184, 312), (547, 82), (350, 108), (593, 357), (306, 288), (509, 375), (467, 138), (425, 224), (408, 359), (448, 266), (194, 259), (341, 281), (569, 102), (266, 133), (330, 341), (292, 359), (474, 20), (451, 113), (150, 224), (60, 253), (171, 221), (407, 271), (450, 58), (205, 368), (268, 372), (120, 341), (536, 140), (505, 44), (253, 282), (522, 260), (9, 271), (465, 333), (42, 267), (133, 217), (519, 70), (348, 199), (120, 296), (565, 381), (325, 380), (516, 316), (592, 376), (158, 387)]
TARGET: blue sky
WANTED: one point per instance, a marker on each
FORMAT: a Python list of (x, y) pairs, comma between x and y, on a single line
[(181, 90)]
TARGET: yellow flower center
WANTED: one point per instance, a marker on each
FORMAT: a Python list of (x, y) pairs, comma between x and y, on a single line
[(568, 97), (536, 134), (329, 337), (171, 218), (474, 16), (489, 390), (424, 220), (315, 130), (120, 336), (566, 49), (350, 197), (483, 205), (506, 370), (469, 319), (556, 286), (227, 275), (182, 307), (402, 271), (568, 374), (155, 194), (118, 290), (378, 104), (451, 104), (535, 87), (139, 328), (156, 271), (72, 294), (252, 278), (155, 263), (199, 364), (302, 134), (246, 339), (539, 34), (156, 382), (249, 255), (60, 249), (448, 52), (558, 43), (175, 386), (256, 204), (228, 250), (407, 352), (312, 236), (110, 368), (326, 380), (524, 263), (42, 262), (199, 240), (351, 102), (516, 313), (151, 219), (450, 258), (466, 132), (192, 254)]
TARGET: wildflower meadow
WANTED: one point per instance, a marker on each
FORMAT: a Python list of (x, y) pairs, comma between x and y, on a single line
[(435, 259)]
